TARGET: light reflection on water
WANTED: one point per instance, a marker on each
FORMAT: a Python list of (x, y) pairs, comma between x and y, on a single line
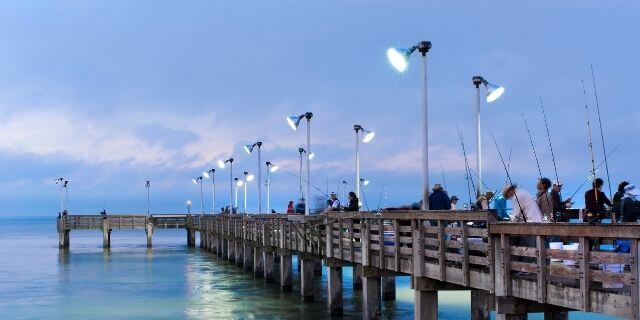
[(170, 281)]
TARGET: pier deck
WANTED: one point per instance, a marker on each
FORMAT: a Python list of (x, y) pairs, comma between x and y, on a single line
[(512, 268)]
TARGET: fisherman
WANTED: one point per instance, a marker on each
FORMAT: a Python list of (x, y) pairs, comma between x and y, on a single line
[(500, 203), (617, 199), (543, 199), (559, 206), (483, 201), (300, 206), (454, 201), (630, 206), (335, 203), (439, 200), (594, 202), (525, 208), (353, 202), (290, 209)]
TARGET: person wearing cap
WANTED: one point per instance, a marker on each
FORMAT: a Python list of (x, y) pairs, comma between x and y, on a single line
[(559, 206), (454, 201), (335, 203), (543, 199), (483, 201), (630, 206), (439, 200)]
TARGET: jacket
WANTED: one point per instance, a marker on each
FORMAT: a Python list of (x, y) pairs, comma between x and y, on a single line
[(439, 200)]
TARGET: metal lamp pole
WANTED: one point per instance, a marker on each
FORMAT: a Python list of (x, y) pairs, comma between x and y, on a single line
[(148, 186), (244, 201), (212, 173), (236, 195), (423, 48), (301, 150), (308, 115), (357, 128), (477, 81)]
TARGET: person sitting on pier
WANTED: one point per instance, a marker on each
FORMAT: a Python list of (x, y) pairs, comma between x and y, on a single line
[(290, 208), (354, 204), (630, 206), (439, 200), (617, 199), (525, 208), (335, 203), (559, 205), (483, 201), (543, 199), (594, 200), (454, 201)]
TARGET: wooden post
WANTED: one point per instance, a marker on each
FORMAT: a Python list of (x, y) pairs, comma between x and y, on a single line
[(224, 245), (149, 231), (106, 233), (357, 277), (388, 288), (481, 303), (63, 236), (585, 280), (286, 278), (425, 299), (231, 249), (258, 262), (267, 260), (371, 300), (541, 246), (239, 252), (418, 249), (334, 290), (307, 275), (635, 273), (511, 316), (248, 256), (556, 315)]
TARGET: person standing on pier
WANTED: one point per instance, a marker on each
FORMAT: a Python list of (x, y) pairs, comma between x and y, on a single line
[(595, 200), (483, 201), (525, 208), (500, 203), (543, 199), (439, 200), (617, 199), (559, 206), (630, 206)]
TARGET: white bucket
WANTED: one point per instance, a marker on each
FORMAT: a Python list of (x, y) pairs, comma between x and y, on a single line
[(570, 247), (555, 246)]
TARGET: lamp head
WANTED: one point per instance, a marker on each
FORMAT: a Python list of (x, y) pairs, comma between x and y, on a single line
[(399, 58), (364, 182), (311, 155), (249, 148), (301, 150), (274, 168), (212, 171), (148, 184), (188, 202), (239, 183), (477, 81), (194, 181), (250, 177), (493, 92), (294, 121), (367, 135), (205, 174), (221, 164)]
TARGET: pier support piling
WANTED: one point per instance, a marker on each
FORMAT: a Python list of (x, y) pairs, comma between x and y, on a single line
[(247, 263), (371, 299), (357, 276), (191, 238), (258, 265), (307, 277), (224, 248), (149, 231), (286, 278), (388, 288), (425, 298), (239, 250), (269, 266), (334, 290), (63, 239), (556, 315), (231, 250), (481, 304)]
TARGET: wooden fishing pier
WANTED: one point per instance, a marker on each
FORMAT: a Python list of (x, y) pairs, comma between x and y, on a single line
[(511, 268)]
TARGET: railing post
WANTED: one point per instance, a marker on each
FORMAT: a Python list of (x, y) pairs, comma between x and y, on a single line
[(418, 248), (106, 232), (542, 269), (635, 274), (585, 281)]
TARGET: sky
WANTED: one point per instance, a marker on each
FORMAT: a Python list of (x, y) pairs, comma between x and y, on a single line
[(110, 94)]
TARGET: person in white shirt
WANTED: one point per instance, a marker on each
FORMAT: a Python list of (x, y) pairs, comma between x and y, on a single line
[(454, 201), (525, 207)]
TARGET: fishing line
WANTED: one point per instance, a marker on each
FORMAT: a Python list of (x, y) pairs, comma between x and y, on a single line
[(524, 218), (553, 157), (593, 161), (532, 146), (604, 150)]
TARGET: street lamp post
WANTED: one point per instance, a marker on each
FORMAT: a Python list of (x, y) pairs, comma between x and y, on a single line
[(65, 185), (222, 164), (366, 137), (60, 182), (238, 184), (249, 148), (188, 206), (399, 58), (211, 173), (270, 168), (148, 186), (198, 180), (493, 93), (294, 121)]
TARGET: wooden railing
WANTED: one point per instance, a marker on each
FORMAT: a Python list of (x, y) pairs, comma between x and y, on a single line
[(570, 265)]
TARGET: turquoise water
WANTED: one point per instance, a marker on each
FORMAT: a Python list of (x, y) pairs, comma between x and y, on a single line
[(170, 281)]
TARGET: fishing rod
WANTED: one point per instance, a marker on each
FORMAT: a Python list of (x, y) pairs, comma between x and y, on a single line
[(466, 168), (524, 217), (476, 174), (546, 124), (311, 184), (593, 160), (532, 146), (444, 181), (509, 162), (597, 168), (604, 150), (382, 190)]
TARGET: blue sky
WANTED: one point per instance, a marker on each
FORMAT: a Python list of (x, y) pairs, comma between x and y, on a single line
[(111, 94)]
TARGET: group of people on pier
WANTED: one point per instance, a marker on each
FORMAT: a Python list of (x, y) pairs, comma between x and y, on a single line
[(546, 206)]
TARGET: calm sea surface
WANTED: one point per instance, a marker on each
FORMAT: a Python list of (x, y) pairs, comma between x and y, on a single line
[(170, 281)]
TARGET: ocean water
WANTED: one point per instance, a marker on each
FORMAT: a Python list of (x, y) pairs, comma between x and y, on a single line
[(169, 281)]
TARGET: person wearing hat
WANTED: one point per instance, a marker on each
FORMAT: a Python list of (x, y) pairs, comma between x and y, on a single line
[(630, 206), (454, 201), (439, 200), (559, 206), (335, 203), (483, 201)]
